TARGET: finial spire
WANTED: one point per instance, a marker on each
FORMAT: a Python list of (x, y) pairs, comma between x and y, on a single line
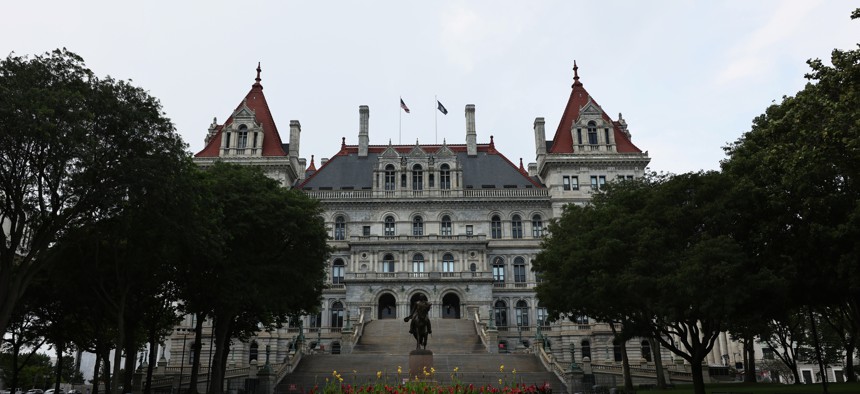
[(576, 75), (258, 73)]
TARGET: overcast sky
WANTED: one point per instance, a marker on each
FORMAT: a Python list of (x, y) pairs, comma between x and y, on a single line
[(689, 76)]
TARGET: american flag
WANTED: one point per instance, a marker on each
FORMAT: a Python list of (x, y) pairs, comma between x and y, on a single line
[(403, 105)]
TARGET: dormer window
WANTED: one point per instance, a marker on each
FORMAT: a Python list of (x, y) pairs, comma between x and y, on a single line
[(241, 140), (444, 177), (417, 177), (592, 133), (390, 179)]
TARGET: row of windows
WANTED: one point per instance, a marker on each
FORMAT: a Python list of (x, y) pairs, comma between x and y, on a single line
[(390, 179), (418, 265), (597, 181), (446, 227)]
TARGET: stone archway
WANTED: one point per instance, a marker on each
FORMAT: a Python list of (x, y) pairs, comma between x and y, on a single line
[(451, 306), (387, 306), (415, 297)]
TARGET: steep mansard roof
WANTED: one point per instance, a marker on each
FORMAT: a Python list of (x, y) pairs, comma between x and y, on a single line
[(489, 169), (562, 142), (256, 101)]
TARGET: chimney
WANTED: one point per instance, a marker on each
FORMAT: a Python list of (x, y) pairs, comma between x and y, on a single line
[(363, 126), (295, 133), (323, 161), (540, 137), (471, 135)]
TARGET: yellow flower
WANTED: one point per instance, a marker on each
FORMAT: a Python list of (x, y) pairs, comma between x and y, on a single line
[(378, 374), (502, 368), (514, 371), (334, 373), (399, 371), (354, 371), (432, 370), (500, 382), (456, 369)]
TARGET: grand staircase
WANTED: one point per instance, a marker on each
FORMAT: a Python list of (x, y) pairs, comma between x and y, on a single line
[(385, 345)]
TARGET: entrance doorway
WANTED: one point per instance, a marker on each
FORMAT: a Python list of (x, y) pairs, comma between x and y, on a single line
[(387, 306), (415, 297), (450, 306)]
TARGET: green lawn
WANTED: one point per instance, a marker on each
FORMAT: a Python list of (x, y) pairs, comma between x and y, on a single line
[(763, 388)]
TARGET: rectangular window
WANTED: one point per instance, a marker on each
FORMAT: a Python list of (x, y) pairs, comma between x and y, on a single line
[(594, 182), (579, 136), (403, 180), (365, 231), (388, 266), (447, 266), (601, 181), (606, 136), (469, 230), (574, 183), (629, 177), (418, 266), (430, 180), (565, 182), (519, 273), (498, 273)]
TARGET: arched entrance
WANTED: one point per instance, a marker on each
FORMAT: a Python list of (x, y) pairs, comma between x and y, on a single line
[(450, 306), (387, 306)]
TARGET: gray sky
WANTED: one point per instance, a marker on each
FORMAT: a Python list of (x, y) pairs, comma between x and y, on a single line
[(689, 76)]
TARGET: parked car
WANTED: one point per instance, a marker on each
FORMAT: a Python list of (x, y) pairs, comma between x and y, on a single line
[(51, 391), (35, 391)]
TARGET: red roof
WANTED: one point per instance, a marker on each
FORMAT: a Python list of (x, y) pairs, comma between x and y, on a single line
[(256, 101), (562, 142)]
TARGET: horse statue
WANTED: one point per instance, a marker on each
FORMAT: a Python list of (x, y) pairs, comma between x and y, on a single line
[(420, 326)]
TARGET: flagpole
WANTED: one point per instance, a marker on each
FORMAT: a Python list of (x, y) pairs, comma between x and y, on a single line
[(400, 122), (435, 122)]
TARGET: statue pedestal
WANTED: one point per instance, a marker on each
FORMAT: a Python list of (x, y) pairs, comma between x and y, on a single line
[(419, 361)]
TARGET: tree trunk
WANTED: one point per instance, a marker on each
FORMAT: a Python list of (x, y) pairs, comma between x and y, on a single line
[(658, 363), (130, 362), (698, 379), (120, 340), (108, 378), (749, 358), (58, 371), (625, 367), (96, 371), (848, 371), (196, 346), (153, 360), (221, 328), (818, 350)]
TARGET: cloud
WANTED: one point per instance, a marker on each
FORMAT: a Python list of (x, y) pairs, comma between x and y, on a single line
[(755, 54)]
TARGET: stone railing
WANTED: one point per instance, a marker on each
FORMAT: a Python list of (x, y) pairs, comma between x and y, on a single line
[(399, 276), (648, 372), (481, 329), (293, 360), (550, 364)]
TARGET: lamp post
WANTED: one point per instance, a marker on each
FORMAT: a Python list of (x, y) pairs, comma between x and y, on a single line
[(573, 366), (184, 332)]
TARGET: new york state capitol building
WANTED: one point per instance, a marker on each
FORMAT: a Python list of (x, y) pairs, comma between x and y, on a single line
[(459, 223)]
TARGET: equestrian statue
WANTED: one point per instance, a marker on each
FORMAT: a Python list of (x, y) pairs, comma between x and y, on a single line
[(420, 326)]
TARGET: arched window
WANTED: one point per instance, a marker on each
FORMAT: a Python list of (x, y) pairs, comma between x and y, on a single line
[(444, 177), (417, 226), (542, 316), (389, 226), (253, 351), (585, 347), (339, 228), (499, 270), (537, 226), (315, 321), (646, 350), (520, 271), (390, 179), (418, 263), (501, 313), (242, 139), (516, 227), (337, 314), (337, 271), (473, 267), (388, 263), (448, 262), (592, 133), (496, 227), (417, 177), (522, 313), (445, 226)]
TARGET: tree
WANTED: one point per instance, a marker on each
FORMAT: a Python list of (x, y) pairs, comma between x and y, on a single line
[(70, 146), (803, 154), (274, 243), (640, 252)]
